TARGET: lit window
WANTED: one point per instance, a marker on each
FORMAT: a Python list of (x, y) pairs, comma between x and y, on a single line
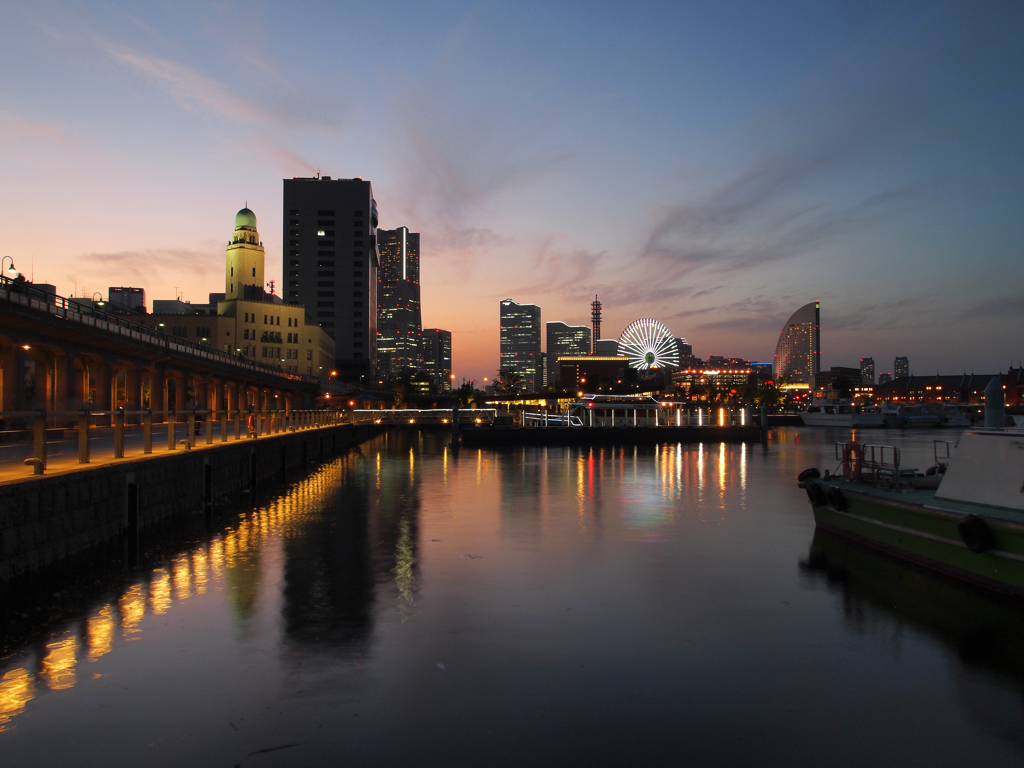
[(320, 233)]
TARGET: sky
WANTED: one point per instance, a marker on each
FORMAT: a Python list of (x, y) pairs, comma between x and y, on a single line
[(711, 165)]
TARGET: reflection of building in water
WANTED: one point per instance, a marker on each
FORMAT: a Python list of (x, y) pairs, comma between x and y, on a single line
[(231, 558), (519, 475)]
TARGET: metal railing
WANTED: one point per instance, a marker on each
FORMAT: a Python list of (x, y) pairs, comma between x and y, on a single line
[(664, 417), (423, 416), (29, 296), (181, 430)]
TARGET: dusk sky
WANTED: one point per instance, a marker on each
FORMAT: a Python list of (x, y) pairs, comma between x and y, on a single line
[(712, 165)]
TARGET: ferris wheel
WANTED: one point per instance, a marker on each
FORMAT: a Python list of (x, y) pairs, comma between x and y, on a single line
[(648, 344)]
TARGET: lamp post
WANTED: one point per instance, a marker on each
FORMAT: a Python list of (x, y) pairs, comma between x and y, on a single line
[(10, 273)]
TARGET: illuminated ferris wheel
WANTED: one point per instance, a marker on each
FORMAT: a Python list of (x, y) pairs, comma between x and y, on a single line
[(648, 344)]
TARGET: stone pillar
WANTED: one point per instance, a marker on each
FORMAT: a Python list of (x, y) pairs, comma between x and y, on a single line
[(157, 391), (132, 392), (180, 389)]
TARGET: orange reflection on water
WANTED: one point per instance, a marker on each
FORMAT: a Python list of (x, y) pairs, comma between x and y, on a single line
[(200, 570), (59, 665), (132, 607), (160, 591), (99, 633), (17, 688), (182, 578)]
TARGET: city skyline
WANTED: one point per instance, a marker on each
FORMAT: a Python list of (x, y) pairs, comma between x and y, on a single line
[(874, 168)]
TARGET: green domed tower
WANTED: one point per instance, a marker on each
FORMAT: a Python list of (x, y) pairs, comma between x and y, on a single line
[(245, 257)]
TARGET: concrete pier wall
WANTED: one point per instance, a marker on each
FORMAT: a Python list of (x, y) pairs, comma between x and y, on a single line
[(44, 519), (501, 436)]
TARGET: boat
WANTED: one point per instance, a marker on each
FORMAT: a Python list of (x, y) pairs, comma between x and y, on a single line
[(964, 516), (911, 415), (841, 413), (954, 416)]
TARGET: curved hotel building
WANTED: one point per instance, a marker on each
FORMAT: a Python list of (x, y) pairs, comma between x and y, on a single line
[(798, 353)]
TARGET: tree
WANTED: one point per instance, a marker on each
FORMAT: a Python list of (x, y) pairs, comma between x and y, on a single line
[(466, 393), (507, 381)]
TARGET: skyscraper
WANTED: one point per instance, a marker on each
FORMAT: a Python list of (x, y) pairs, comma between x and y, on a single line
[(330, 264), (564, 339), (520, 342), (399, 326), (798, 352), (437, 356), (867, 370), (900, 368), (595, 319)]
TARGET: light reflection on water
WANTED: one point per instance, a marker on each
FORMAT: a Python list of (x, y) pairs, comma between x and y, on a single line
[(652, 581)]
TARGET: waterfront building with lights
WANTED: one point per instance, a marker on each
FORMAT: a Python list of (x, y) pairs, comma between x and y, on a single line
[(520, 342), (798, 351), (330, 263), (563, 340), (437, 356), (399, 325)]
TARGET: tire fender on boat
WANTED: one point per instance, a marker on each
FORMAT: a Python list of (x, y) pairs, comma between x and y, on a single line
[(808, 474), (815, 494), (835, 497), (976, 534)]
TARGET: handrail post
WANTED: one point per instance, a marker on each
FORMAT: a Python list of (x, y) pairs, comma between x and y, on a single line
[(238, 423), (39, 437), (224, 426), (147, 431), (170, 430), (191, 428), (83, 438), (119, 433), (209, 427)]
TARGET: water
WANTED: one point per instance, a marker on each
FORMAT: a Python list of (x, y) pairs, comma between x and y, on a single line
[(409, 604)]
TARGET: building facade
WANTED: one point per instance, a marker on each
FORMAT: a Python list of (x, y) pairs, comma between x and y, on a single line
[(259, 327), (330, 263), (399, 325), (437, 356), (586, 373), (900, 368), (563, 339), (520, 342), (867, 370), (798, 351)]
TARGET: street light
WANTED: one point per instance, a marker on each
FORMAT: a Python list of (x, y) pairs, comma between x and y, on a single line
[(10, 273)]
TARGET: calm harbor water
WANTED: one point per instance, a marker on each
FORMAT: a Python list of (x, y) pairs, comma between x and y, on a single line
[(413, 604)]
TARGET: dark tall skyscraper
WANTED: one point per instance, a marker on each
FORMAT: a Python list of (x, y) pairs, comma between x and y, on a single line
[(867, 370), (399, 326), (437, 356), (900, 368), (520, 342), (330, 265), (595, 319), (564, 339)]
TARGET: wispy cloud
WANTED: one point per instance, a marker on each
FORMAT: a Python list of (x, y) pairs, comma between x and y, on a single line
[(154, 269), (13, 127)]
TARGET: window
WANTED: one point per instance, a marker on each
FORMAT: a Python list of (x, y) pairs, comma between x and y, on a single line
[(232, 272), (293, 263), (325, 294), (264, 352), (293, 273), (357, 274), (357, 263), (325, 213), (325, 284), (309, 354), (264, 319), (293, 284), (326, 273), (254, 271), (320, 233), (357, 213), (325, 223), (247, 317)]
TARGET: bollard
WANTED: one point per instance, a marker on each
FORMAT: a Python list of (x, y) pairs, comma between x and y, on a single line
[(995, 405), (224, 426), (191, 429), (39, 439), (209, 427), (147, 432), (119, 433), (83, 438), (170, 431)]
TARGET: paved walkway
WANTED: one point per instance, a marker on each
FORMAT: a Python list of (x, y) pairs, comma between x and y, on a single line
[(62, 455)]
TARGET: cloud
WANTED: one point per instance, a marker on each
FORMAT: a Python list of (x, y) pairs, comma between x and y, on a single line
[(13, 127), (997, 307), (154, 269), (201, 94)]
